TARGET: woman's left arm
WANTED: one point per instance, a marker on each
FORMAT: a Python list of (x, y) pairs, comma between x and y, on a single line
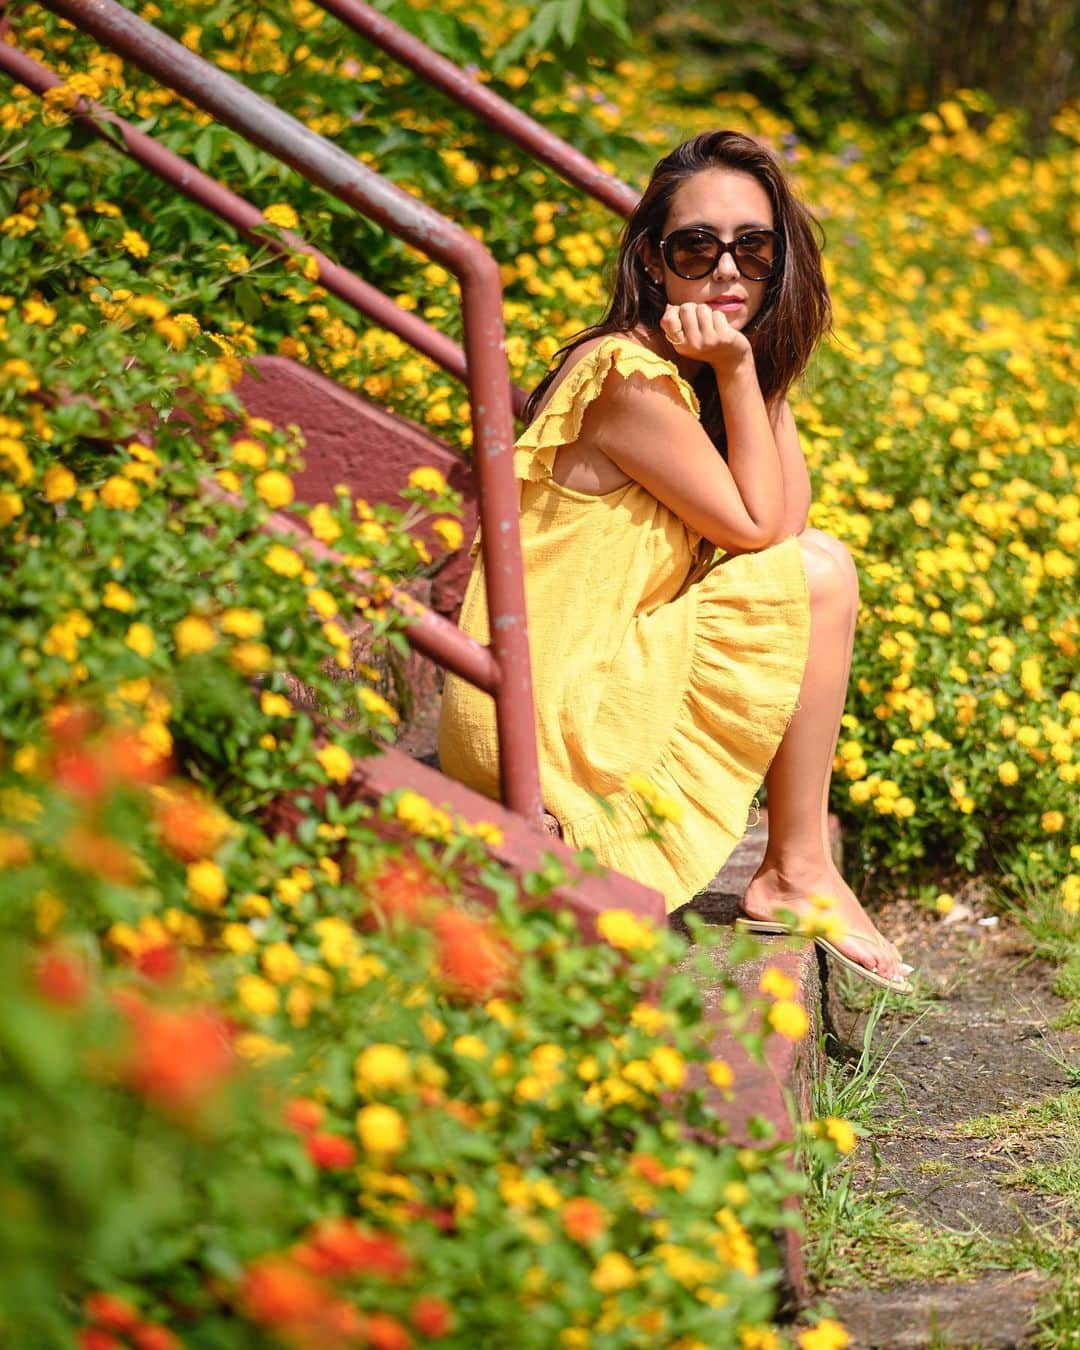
[(793, 467)]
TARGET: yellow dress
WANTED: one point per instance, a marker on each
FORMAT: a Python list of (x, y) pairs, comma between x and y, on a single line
[(634, 671)]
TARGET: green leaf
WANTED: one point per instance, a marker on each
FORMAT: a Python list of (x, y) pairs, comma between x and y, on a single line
[(570, 21)]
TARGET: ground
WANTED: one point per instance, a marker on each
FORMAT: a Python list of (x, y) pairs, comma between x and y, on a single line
[(972, 1160)]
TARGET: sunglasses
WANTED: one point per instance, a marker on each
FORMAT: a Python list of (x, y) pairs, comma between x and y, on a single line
[(693, 254)]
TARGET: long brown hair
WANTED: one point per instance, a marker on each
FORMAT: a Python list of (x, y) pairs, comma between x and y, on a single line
[(795, 313)]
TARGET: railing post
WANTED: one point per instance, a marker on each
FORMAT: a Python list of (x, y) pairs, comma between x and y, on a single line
[(570, 164)]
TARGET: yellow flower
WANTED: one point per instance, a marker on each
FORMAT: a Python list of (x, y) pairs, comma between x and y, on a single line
[(381, 1068), (335, 762), (1052, 821), (322, 602), (375, 703), (1008, 773), (194, 635), (120, 494), (59, 483), (470, 1047), (668, 1066), (281, 963), (841, 1133), (260, 1050), (250, 658), (720, 1074), (275, 488), (140, 639), (827, 1335), (789, 1019), (206, 882), (323, 525), (284, 561), (116, 597), (238, 937), (11, 505), (1031, 678), (613, 1272), (450, 532), (282, 215), (250, 453), (274, 705), (381, 1129), (944, 903), (758, 1338), (775, 983), (241, 623), (135, 244), (428, 479), (257, 995), (37, 312), (623, 930)]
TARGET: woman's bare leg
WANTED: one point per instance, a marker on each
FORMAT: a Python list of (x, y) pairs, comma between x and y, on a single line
[(798, 863)]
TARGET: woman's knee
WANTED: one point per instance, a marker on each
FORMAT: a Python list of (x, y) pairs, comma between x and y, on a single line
[(830, 570)]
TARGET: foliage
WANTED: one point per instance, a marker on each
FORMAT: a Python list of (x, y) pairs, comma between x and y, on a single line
[(279, 1066), (829, 59), (938, 422), (151, 633)]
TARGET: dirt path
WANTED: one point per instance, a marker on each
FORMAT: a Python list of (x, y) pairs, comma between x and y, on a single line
[(940, 1190)]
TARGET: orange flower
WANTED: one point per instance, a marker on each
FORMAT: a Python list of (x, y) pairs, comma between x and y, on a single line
[(177, 1060), (86, 849), (111, 1313), (330, 1151), (430, 1316), (61, 977), (474, 963), (338, 1247), (647, 1167), (191, 826), (153, 1336), (277, 1292), (80, 772), (583, 1219), (133, 759), (404, 891), (384, 1332), (303, 1115)]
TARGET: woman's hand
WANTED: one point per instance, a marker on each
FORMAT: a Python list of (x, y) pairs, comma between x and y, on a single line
[(702, 333)]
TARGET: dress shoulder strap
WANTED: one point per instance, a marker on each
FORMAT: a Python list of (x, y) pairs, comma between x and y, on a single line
[(558, 423)]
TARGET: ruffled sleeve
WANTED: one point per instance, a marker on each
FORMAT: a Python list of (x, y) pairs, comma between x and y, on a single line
[(559, 421)]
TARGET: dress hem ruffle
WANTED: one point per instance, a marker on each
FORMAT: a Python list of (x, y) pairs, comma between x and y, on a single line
[(719, 731)]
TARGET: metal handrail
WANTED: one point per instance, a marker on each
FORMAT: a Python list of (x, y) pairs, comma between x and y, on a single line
[(570, 164), (325, 164), (215, 197)]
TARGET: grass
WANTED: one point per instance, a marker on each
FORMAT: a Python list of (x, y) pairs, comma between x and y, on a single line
[(860, 1234)]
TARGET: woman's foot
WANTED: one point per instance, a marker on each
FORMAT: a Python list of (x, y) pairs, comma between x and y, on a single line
[(825, 903)]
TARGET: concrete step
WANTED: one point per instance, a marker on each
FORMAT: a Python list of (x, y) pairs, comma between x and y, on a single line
[(776, 1095)]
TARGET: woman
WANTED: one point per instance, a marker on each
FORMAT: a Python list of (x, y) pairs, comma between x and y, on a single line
[(649, 656)]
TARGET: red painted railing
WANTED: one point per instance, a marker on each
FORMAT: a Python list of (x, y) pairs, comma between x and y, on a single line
[(215, 197), (534, 139), (325, 164)]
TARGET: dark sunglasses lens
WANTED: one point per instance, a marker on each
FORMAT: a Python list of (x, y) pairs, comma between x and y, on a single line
[(756, 255), (691, 253)]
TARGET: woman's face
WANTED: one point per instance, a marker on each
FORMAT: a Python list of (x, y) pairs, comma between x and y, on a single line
[(728, 203)]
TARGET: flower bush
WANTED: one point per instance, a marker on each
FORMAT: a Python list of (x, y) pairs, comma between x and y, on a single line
[(280, 1065), (939, 421), (293, 1083), (295, 1088)]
